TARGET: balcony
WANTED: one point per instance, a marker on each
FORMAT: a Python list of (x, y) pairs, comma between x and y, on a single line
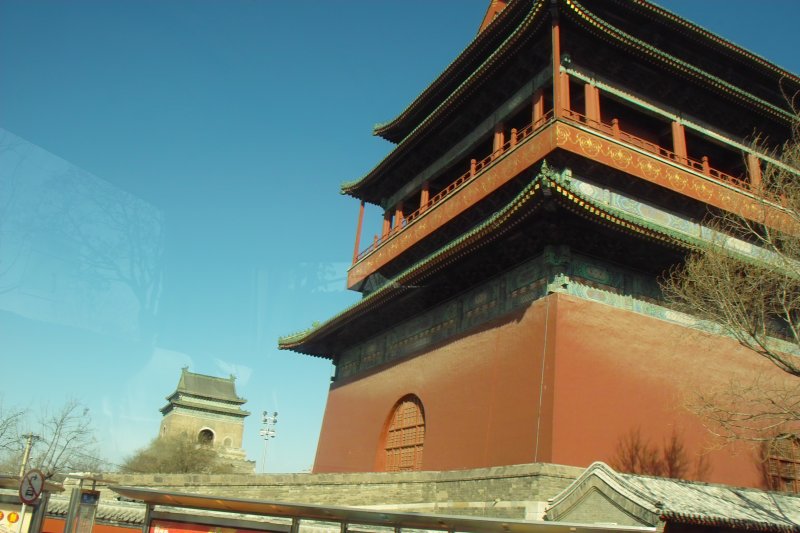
[(577, 133)]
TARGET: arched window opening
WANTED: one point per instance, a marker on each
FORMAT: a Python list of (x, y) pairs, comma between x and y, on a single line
[(205, 437), (782, 465), (405, 436), (228, 442)]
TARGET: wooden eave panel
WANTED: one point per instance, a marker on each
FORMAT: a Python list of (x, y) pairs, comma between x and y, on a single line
[(679, 42)]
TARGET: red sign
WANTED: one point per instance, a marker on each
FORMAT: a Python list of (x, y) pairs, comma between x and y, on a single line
[(167, 526), (31, 486)]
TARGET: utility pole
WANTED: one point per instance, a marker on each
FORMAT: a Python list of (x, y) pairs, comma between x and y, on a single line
[(30, 439)]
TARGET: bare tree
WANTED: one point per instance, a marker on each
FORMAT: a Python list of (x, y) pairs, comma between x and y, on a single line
[(177, 455), (637, 455), (9, 427), (754, 300), (66, 441)]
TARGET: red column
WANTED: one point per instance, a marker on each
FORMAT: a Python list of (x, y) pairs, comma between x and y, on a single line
[(592, 102), (754, 171), (387, 224), (398, 215), (538, 108), (499, 139), (558, 93), (679, 141), (424, 197), (564, 88), (358, 231)]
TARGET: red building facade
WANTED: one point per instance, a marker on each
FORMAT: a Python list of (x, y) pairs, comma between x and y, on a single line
[(538, 189)]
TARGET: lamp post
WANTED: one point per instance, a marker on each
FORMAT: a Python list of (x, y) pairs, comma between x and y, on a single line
[(268, 423)]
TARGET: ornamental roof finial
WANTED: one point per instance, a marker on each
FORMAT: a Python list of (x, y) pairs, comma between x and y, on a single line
[(495, 7)]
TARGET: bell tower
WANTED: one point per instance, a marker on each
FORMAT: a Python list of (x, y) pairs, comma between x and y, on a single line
[(208, 410)]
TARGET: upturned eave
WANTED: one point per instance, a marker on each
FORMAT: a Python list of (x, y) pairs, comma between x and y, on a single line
[(529, 22), (309, 342), (461, 67)]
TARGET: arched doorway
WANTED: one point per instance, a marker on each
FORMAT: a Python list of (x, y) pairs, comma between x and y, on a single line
[(405, 435), (205, 437)]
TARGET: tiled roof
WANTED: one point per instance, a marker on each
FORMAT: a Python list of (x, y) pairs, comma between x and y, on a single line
[(692, 502), (223, 389), (457, 80), (112, 512), (532, 19), (456, 68), (462, 66), (468, 241), (586, 200)]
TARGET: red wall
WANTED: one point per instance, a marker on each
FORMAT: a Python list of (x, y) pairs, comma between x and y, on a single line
[(617, 371), (606, 372), (480, 395), (56, 525)]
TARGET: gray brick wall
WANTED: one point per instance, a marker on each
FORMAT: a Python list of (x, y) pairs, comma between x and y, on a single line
[(516, 491)]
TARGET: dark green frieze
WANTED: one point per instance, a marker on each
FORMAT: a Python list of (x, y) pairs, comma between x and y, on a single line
[(557, 269)]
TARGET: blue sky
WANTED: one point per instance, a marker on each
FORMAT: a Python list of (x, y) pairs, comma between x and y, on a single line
[(227, 126)]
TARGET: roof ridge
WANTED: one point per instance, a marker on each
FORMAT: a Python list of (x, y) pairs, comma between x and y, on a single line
[(186, 371)]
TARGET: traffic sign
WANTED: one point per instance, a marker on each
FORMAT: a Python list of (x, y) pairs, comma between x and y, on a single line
[(30, 488)]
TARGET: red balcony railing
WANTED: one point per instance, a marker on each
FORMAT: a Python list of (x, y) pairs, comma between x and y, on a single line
[(475, 169), (613, 130)]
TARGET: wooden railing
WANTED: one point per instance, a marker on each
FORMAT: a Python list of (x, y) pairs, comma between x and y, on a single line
[(611, 129), (701, 166), (475, 169)]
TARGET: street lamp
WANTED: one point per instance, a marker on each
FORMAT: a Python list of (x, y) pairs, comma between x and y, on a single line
[(268, 423)]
